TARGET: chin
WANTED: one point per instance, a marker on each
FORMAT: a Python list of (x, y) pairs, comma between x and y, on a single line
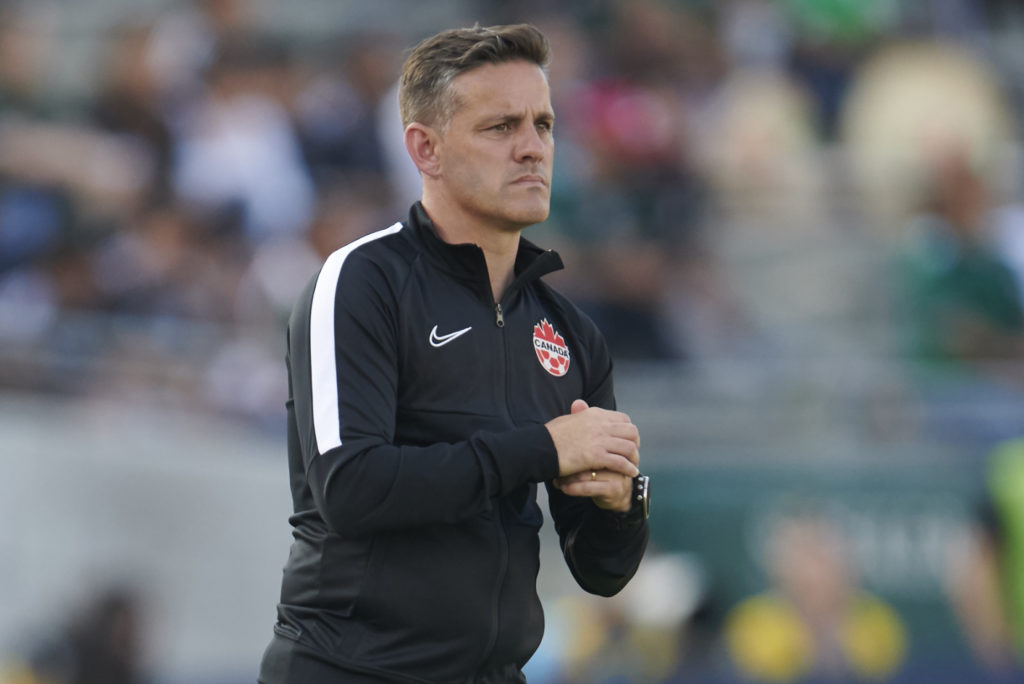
[(528, 216)]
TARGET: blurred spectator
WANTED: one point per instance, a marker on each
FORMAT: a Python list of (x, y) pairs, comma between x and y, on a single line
[(816, 624), (833, 35), (909, 101), (336, 113), (237, 150), (962, 301), (129, 101)]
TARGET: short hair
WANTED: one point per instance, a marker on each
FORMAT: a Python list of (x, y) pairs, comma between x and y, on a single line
[(424, 93)]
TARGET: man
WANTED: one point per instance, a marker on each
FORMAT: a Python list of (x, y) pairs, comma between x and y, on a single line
[(435, 380)]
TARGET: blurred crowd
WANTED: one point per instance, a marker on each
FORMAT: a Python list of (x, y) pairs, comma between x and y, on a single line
[(727, 175), (735, 179)]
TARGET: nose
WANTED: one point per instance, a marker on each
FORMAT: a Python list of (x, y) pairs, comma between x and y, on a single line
[(531, 145)]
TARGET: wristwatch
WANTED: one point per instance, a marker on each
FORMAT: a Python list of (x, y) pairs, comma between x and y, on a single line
[(642, 494), (640, 505)]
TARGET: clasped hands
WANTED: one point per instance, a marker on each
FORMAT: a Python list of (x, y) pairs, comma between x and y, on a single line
[(598, 455)]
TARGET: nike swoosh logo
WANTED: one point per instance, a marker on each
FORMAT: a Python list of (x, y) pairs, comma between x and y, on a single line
[(441, 340)]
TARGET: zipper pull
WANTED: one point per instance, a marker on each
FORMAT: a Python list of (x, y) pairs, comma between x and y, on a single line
[(499, 316)]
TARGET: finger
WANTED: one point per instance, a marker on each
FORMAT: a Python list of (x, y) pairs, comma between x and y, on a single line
[(623, 447), (578, 406), (625, 431), (584, 476), (583, 487), (613, 489), (587, 476), (617, 463)]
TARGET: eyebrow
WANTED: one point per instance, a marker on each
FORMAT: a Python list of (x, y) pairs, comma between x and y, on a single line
[(548, 117)]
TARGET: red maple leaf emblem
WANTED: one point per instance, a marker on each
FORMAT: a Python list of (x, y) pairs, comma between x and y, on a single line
[(544, 331)]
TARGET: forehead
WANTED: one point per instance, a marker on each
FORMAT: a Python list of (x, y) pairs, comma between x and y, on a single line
[(510, 87)]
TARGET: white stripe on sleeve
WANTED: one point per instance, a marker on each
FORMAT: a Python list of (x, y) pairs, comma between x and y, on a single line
[(323, 365)]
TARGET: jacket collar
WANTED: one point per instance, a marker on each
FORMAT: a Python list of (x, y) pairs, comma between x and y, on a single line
[(466, 261)]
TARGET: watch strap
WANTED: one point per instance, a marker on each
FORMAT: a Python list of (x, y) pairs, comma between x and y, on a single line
[(639, 509)]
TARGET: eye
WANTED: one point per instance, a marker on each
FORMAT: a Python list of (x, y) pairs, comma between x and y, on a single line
[(545, 126), (503, 127)]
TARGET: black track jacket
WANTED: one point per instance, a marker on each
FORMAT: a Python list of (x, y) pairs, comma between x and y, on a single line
[(416, 441)]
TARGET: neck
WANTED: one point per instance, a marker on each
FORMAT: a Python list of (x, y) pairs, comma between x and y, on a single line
[(499, 246)]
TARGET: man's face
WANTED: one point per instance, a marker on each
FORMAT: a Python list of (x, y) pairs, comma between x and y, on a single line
[(496, 154)]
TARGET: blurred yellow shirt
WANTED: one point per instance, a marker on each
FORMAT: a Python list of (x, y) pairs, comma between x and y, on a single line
[(768, 640)]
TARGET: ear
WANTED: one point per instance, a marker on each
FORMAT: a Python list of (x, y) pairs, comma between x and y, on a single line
[(423, 145)]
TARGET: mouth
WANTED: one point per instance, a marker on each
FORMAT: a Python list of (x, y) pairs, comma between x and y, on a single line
[(531, 179)]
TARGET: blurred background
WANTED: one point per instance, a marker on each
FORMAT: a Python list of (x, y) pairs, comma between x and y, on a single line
[(799, 223)]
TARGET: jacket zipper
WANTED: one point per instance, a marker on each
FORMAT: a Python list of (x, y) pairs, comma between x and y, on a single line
[(499, 321)]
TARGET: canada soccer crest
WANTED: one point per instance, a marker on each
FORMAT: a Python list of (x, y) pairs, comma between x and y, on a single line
[(551, 349)]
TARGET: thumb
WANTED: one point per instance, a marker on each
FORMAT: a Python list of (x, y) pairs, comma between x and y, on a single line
[(578, 406)]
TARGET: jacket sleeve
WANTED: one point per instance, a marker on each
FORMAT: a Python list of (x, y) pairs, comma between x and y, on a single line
[(359, 479), (602, 548)]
